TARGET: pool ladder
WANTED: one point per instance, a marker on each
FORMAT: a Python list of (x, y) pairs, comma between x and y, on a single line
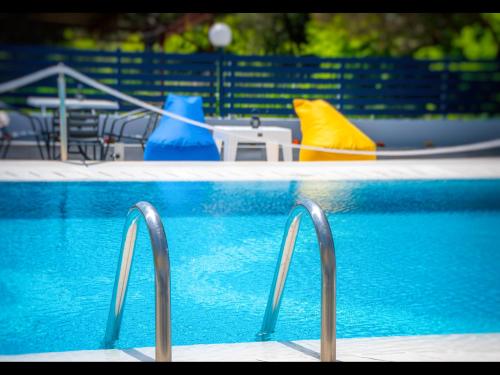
[(328, 275), (162, 277)]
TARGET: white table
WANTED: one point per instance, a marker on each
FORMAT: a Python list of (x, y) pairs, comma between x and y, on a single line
[(46, 102), (43, 103), (261, 134)]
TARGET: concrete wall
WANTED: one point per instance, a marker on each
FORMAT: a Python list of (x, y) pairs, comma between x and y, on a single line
[(394, 133), (403, 133), (406, 133)]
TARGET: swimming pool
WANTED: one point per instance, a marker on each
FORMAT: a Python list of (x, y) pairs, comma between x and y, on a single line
[(413, 258)]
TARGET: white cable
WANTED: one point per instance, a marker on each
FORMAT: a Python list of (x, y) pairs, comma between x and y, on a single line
[(30, 78), (61, 68)]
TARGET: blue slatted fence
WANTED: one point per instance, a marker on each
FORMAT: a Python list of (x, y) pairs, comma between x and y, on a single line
[(148, 76), (380, 87), (267, 85)]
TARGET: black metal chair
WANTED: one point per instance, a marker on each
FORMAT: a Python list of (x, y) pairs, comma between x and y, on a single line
[(83, 133), (36, 129), (5, 140), (117, 134)]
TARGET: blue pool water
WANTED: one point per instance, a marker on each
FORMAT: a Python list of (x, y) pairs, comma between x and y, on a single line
[(413, 257)]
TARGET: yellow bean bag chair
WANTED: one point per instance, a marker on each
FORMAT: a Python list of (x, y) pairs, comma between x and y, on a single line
[(323, 126)]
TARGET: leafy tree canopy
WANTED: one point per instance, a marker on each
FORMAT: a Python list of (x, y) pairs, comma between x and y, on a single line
[(422, 35)]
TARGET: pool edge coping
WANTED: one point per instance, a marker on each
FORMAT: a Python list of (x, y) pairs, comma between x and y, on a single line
[(128, 171), (427, 348)]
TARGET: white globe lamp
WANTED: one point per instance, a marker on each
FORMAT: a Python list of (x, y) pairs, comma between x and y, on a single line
[(219, 35)]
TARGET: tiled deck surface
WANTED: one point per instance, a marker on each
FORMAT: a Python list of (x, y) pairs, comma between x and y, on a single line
[(15, 170), (470, 347)]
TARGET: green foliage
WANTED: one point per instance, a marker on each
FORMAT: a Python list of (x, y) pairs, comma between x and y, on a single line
[(194, 39), (245, 40), (476, 42), (266, 33), (132, 42), (425, 36), (430, 53), (332, 39), (421, 35)]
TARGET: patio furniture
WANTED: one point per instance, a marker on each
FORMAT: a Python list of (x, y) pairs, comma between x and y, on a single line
[(117, 134), (83, 104), (83, 133), (324, 126), (178, 140), (34, 128), (88, 106), (266, 133)]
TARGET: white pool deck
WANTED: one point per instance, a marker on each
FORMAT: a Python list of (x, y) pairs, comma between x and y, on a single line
[(432, 348), (457, 347), (476, 168)]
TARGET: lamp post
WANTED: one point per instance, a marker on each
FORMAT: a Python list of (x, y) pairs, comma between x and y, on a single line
[(220, 37)]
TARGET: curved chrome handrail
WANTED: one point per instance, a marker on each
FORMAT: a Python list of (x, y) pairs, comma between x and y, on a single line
[(162, 279), (328, 275)]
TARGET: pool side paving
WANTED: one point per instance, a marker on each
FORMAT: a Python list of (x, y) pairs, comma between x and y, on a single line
[(456, 168), (428, 348)]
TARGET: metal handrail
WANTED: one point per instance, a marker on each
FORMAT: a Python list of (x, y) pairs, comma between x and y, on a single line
[(328, 275), (162, 279)]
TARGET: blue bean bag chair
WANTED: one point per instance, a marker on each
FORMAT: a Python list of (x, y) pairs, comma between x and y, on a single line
[(177, 140)]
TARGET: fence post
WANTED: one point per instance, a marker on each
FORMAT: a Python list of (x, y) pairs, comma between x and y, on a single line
[(63, 131), (227, 86), (118, 68), (220, 83), (341, 87), (443, 97)]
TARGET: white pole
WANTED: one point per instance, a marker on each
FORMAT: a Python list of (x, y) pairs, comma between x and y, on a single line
[(63, 133)]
